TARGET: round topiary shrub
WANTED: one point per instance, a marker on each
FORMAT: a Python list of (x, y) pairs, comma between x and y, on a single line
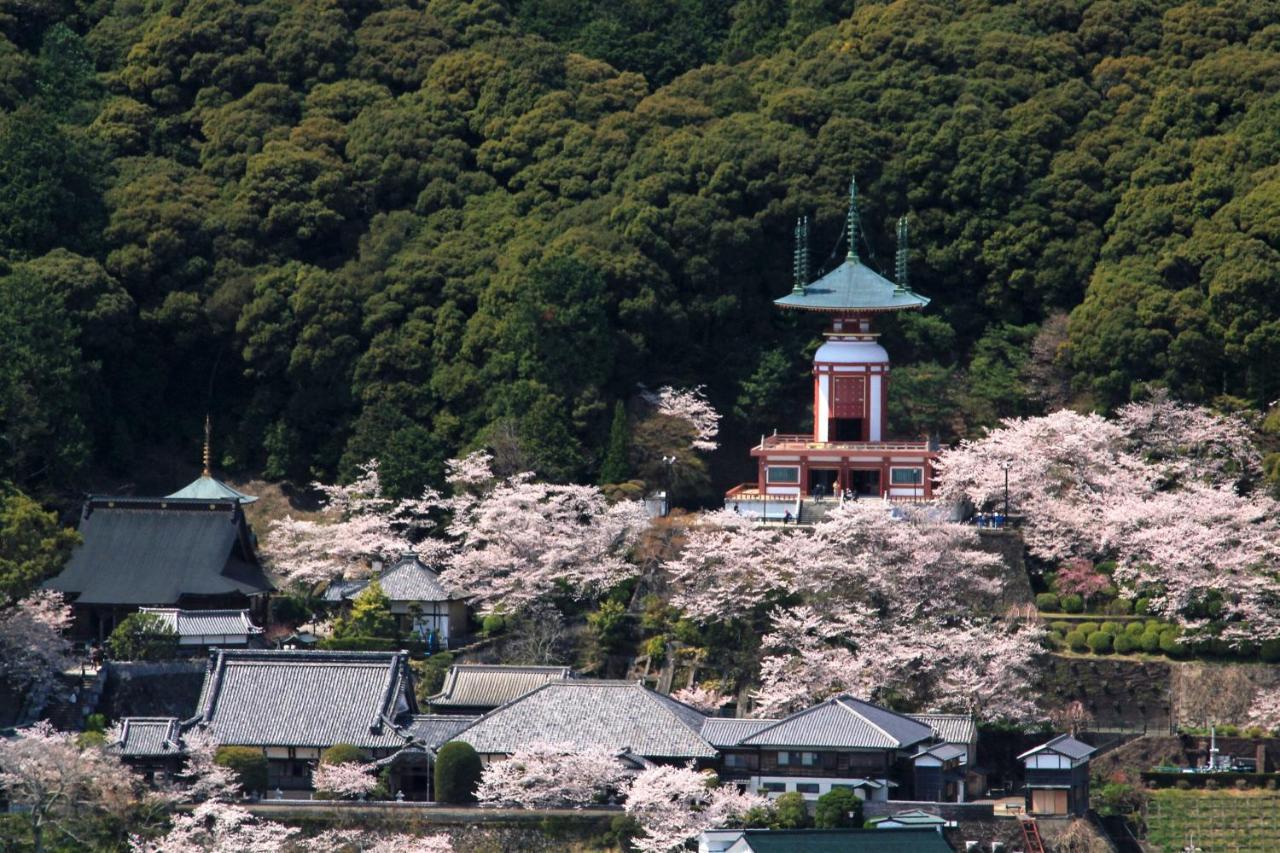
[(1077, 641), (1142, 606), (1063, 628), (1088, 628), (1048, 601), (1120, 607), (1124, 644), (341, 753), (457, 773), (1135, 629), (1100, 642), (249, 765), (1149, 641), (1112, 628), (1072, 603), (494, 623), (837, 809), (1170, 643), (790, 812)]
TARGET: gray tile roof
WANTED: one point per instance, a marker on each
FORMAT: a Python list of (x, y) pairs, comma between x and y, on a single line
[(614, 715), (142, 737), (155, 550), (730, 731), (844, 722), (408, 579), (943, 751), (194, 623), (486, 686), (305, 698), (952, 728), (1064, 744), (437, 729)]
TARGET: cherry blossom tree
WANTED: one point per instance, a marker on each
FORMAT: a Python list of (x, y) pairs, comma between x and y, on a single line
[(703, 698), (1183, 441), (519, 540), (364, 841), (689, 405), (674, 805), (357, 524), (218, 826), (33, 650), (548, 775), (1264, 710), (348, 780), (57, 783), (1077, 576), (202, 778)]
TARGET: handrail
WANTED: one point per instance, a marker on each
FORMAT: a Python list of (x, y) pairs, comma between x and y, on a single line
[(807, 442)]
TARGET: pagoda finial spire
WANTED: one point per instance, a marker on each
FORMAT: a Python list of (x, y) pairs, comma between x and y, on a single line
[(800, 259), (208, 453), (900, 271), (853, 219)]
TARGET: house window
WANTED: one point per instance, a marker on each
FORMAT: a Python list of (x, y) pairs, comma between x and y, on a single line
[(808, 759), (737, 759), (784, 758), (774, 787), (782, 474), (807, 788), (906, 476)]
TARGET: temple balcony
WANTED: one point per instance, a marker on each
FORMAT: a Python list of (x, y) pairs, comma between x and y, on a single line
[(783, 442)]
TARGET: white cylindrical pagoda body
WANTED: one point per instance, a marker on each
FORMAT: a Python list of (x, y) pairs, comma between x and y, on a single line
[(850, 386)]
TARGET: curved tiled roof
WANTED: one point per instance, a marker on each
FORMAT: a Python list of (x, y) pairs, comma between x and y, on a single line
[(845, 722), (194, 623), (853, 287), (730, 731), (435, 730), (952, 728), (147, 736), (305, 698), (407, 580), (620, 716), (488, 686)]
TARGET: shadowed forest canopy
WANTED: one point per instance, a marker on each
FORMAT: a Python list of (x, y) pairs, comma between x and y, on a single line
[(407, 229)]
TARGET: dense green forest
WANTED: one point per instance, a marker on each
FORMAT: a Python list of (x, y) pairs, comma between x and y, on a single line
[(351, 228)]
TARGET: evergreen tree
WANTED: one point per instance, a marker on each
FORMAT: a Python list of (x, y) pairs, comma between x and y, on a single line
[(616, 467), (370, 615)]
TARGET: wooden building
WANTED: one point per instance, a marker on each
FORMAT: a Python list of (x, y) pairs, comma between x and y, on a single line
[(1057, 777), (422, 605), (848, 447)]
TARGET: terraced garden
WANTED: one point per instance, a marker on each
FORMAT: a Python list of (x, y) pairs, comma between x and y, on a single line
[(1245, 821)]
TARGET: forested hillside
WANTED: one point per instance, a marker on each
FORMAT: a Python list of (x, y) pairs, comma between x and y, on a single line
[(351, 228)]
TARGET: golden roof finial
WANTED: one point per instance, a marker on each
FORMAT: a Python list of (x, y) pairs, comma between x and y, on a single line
[(208, 437)]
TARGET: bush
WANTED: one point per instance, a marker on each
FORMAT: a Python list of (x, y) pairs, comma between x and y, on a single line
[(1120, 607), (289, 610), (1112, 628), (95, 723), (610, 627), (1125, 644), (1182, 785), (249, 765), (494, 623), (1142, 606), (1170, 643), (457, 773), (143, 636), (1149, 642), (1100, 642), (1048, 601), (356, 643), (1135, 630), (1063, 628), (1072, 603), (1077, 641), (838, 808), (1269, 651), (656, 648), (341, 753), (1056, 639), (790, 811), (1106, 567), (1088, 628), (431, 673)]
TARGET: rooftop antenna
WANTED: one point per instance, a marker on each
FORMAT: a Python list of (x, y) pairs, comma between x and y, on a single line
[(853, 219), (900, 272)]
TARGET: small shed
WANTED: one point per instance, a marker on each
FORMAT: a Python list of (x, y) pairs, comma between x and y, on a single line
[(1057, 776), (940, 773)]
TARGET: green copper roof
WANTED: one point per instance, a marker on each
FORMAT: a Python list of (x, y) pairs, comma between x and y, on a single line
[(852, 286), (207, 488)]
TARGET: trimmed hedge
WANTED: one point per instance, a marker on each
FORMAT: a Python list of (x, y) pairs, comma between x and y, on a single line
[(1077, 641), (1048, 601), (341, 753), (1072, 603), (1100, 642), (249, 765), (1159, 779), (1125, 644), (458, 771)]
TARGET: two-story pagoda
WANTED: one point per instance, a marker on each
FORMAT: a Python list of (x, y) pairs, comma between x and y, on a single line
[(848, 448)]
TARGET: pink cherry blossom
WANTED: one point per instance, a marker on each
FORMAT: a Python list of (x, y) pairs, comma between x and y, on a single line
[(366, 841), (1077, 576), (202, 778), (216, 826), (348, 780), (674, 805), (549, 775), (689, 405), (703, 698), (33, 650)]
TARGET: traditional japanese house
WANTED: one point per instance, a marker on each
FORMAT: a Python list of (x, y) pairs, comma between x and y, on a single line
[(476, 689), (1057, 777), (151, 746), (185, 553), (848, 447), (422, 605), (205, 629)]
